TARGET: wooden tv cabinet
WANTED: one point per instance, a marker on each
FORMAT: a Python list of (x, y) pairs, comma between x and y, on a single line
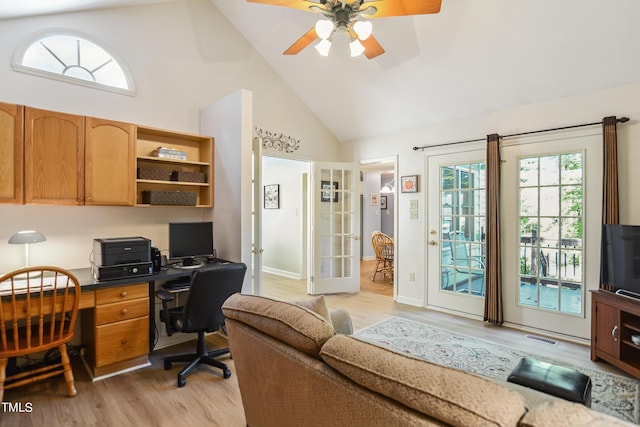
[(614, 319)]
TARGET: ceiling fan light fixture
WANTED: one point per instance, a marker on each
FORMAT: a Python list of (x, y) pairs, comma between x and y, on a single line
[(323, 47), (356, 48), (324, 28), (363, 29)]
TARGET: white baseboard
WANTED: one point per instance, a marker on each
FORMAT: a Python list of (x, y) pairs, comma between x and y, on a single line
[(454, 312), (409, 301), (284, 273), (112, 374)]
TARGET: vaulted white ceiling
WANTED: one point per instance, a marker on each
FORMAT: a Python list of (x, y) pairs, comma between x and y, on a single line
[(472, 58)]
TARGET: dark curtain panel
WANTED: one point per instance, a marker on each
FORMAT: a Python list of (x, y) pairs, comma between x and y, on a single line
[(610, 203), (493, 298)]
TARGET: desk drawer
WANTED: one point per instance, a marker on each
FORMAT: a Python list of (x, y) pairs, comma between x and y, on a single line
[(118, 311), (121, 293), (121, 341)]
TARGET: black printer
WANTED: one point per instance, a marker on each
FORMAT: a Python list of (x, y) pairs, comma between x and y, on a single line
[(120, 257)]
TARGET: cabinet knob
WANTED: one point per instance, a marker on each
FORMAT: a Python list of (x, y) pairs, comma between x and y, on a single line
[(123, 294), (614, 333), (123, 341), (125, 311)]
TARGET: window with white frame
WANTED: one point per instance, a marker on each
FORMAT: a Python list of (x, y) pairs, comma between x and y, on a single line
[(73, 58)]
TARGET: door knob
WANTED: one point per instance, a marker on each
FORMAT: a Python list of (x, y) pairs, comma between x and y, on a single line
[(432, 242)]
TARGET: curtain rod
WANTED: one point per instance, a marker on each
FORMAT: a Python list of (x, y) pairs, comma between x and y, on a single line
[(620, 120)]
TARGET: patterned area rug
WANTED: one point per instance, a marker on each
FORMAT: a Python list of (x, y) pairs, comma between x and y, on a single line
[(610, 394)]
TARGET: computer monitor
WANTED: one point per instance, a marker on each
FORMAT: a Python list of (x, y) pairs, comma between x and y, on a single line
[(189, 241)]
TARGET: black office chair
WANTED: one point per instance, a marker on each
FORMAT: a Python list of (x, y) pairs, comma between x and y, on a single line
[(201, 313)]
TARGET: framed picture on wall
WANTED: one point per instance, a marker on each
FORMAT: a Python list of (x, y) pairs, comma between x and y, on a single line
[(383, 202), (409, 184), (326, 191), (272, 196)]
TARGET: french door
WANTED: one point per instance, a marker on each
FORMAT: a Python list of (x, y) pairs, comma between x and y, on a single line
[(335, 225), (551, 205), (456, 231)]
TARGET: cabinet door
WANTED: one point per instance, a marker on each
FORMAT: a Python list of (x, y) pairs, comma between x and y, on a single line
[(54, 157), (110, 163), (607, 329), (11, 152)]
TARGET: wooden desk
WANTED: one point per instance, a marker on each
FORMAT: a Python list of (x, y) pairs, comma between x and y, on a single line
[(117, 334), (117, 318)]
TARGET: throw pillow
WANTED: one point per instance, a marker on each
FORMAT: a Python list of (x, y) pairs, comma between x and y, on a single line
[(316, 304)]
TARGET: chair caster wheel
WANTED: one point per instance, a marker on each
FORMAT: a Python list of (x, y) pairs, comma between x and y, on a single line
[(182, 381), (226, 373), (167, 365)]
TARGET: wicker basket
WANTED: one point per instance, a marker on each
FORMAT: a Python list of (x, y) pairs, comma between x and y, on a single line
[(154, 173), (188, 176), (170, 198)]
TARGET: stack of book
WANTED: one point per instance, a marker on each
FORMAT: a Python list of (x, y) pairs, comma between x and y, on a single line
[(170, 153)]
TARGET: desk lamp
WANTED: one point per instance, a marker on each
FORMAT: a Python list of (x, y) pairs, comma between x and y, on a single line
[(26, 237)]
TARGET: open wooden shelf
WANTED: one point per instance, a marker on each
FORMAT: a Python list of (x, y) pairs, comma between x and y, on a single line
[(199, 153)]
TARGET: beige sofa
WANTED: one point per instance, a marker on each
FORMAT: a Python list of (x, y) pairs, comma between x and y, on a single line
[(296, 366)]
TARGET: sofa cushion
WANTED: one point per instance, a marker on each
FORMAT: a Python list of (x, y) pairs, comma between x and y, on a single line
[(295, 325), (316, 304), (567, 414), (454, 397)]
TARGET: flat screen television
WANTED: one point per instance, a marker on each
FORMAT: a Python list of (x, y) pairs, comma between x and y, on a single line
[(189, 241), (620, 258)]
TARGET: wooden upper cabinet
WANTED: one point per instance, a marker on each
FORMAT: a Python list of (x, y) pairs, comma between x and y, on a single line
[(109, 162), (54, 158), (11, 153)]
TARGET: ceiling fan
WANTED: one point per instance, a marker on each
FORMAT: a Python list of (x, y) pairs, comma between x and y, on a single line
[(347, 17)]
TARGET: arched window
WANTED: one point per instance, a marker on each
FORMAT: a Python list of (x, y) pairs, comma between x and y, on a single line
[(75, 58)]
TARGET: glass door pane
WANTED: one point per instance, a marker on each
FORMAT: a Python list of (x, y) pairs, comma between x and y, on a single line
[(462, 221), (337, 229), (551, 206)]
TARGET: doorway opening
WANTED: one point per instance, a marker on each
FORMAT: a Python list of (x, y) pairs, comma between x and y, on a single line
[(285, 227), (378, 200)]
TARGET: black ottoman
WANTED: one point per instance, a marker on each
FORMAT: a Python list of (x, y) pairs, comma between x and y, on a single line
[(556, 380)]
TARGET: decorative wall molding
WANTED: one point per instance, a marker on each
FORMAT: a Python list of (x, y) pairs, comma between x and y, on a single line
[(277, 141)]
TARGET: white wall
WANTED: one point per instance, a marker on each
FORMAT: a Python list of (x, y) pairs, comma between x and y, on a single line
[(232, 118), (586, 108), (70, 230), (283, 228), (184, 55)]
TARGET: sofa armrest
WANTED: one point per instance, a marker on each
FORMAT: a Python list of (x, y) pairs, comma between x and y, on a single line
[(341, 321)]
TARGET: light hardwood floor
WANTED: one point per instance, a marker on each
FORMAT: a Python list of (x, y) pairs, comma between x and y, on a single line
[(149, 396)]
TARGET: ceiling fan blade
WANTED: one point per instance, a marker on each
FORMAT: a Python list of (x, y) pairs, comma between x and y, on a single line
[(400, 7), (371, 47), (294, 4), (304, 41)]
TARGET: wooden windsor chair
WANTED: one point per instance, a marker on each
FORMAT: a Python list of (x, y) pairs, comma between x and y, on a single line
[(383, 248), (37, 313)]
